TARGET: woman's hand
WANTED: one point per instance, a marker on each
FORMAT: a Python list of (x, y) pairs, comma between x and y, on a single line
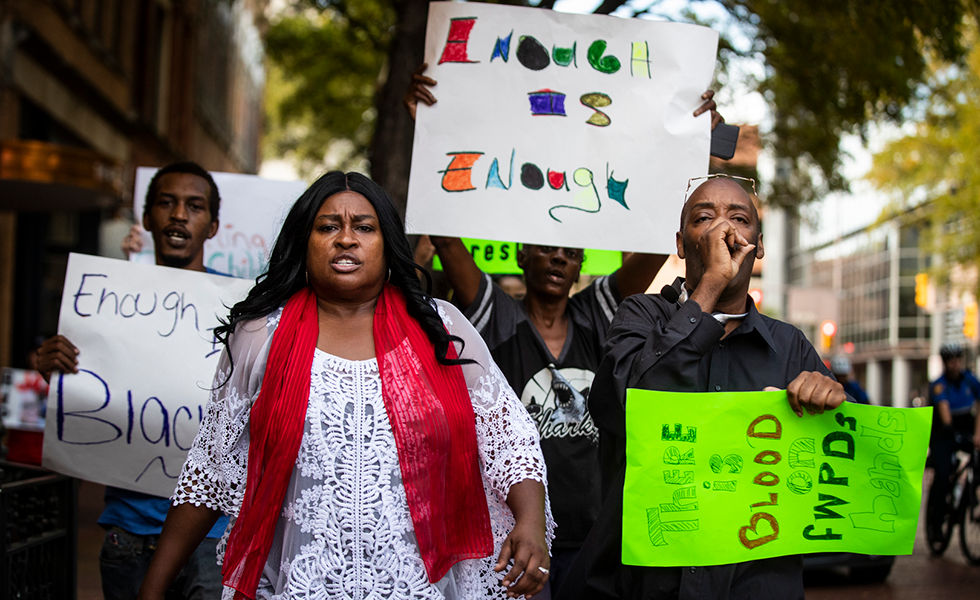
[(419, 90), (526, 546)]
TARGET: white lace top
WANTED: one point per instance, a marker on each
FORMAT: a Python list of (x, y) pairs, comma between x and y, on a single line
[(345, 531)]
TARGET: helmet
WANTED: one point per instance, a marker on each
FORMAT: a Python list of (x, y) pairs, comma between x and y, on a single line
[(950, 350), (840, 365)]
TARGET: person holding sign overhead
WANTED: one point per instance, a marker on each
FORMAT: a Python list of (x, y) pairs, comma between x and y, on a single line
[(181, 213), (358, 430), (701, 334), (549, 345)]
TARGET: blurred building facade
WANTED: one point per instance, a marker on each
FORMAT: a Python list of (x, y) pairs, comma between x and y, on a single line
[(872, 284), (90, 90)]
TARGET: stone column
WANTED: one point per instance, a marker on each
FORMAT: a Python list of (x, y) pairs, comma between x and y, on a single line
[(901, 381), (874, 382)]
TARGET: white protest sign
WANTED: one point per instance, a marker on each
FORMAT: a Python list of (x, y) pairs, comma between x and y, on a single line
[(146, 361), (559, 129), (251, 214)]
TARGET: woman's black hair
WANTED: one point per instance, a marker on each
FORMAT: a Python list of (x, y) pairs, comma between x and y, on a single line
[(286, 273)]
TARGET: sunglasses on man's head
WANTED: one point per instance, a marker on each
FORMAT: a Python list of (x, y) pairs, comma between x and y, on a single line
[(703, 178)]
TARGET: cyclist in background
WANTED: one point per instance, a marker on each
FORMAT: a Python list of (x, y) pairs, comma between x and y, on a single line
[(954, 397)]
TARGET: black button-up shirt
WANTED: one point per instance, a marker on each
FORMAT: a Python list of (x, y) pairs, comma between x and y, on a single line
[(660, 345)]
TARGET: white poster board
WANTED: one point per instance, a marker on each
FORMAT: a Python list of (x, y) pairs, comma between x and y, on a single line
[(559, 129), (146, 361), (251, 214)]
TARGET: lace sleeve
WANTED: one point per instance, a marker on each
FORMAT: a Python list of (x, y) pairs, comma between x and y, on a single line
[(215, 472), (506, 436)]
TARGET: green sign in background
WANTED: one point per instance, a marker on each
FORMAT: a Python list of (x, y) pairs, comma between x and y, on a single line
[(500, 258), (721, 478)]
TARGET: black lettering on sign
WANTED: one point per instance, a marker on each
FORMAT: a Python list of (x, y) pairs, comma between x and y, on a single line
[(821, 511), (839, 437), (827, 476), (531, 176), (828, 535), (532, 54), (850, 422)]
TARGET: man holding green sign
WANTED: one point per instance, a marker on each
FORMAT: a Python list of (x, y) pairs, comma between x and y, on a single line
[(704, 334)]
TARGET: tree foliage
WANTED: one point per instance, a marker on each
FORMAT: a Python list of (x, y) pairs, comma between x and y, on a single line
[(831, 68), (932, 172), (326, 62)]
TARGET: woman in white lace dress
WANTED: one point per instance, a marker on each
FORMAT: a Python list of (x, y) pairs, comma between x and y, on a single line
[(359, 434)]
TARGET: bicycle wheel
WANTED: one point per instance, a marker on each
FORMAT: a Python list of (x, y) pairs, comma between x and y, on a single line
[(938, 535), (970, 522)]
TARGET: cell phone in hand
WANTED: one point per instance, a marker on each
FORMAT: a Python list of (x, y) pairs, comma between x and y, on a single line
[(723, 140)]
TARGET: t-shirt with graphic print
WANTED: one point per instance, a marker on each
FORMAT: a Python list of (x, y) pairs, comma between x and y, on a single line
[(554, 391)]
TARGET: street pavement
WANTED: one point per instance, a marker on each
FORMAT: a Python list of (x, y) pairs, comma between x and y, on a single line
[(915, 577)]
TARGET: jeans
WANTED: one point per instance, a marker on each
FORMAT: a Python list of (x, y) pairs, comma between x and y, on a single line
[(125, 557)]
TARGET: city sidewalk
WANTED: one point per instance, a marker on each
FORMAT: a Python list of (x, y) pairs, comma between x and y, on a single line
[(902, 583)]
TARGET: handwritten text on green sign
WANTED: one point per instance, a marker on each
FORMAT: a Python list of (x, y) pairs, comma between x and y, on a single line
[(721, 478)]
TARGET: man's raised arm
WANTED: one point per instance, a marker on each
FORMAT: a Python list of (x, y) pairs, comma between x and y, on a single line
[(637, 273), (459, 266)]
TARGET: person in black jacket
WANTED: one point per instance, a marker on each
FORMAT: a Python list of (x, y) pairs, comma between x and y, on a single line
[(703, 334)]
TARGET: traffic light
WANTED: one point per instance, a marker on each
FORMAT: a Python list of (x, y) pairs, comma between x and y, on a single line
[(921, 289), (970, 320), (828, 329)]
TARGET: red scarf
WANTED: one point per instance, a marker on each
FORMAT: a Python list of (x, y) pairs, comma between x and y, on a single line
[(431, 418)]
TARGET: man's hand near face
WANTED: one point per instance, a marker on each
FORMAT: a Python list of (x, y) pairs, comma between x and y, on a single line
[(722, 250)]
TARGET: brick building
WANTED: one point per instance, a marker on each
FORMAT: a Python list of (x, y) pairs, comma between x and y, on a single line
[(91, 89)]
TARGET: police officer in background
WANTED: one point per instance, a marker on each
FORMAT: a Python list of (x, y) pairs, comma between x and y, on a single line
[(954, 397)]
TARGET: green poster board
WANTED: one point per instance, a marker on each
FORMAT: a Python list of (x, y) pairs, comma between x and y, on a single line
[(500, 258), (721, 478)]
